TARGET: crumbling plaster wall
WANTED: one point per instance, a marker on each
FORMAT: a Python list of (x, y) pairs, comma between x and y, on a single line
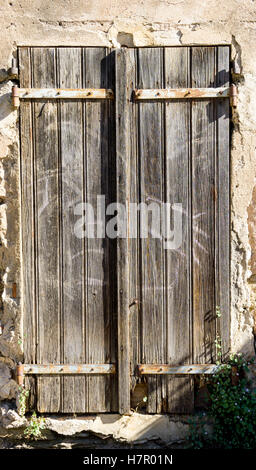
[(138, 23)]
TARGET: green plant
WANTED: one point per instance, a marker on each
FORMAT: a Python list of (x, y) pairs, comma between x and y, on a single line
[(218, 345), (218, 312), (34, 427), (198, 434), (232, 409), (22, 399), (233, 406)]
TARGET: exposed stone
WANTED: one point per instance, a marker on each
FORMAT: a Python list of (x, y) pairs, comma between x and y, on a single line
[(8, 387)]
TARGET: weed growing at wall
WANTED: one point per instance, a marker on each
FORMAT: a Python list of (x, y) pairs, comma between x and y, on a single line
[(35, 423), (34, 427), (233, 409), (23, 396)]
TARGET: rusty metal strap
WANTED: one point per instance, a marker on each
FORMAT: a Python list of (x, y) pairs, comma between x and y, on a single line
[(187, 93), (62, 369), (165, 369), (60, 93)]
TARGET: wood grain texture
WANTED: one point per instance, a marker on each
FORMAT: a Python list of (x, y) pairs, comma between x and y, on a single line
[(47, 184), (72, 321), (123, 74), (203, 72), (77, 293), (177, 161), (69, 68), (150, 75), (27, 222), (98, 295), (134, 243)]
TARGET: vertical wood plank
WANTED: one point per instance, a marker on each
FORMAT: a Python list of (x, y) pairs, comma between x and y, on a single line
[(223, 201), (72, 192), (203, 207), (134, 244), (150, 73), (123, 71), (27, 224), (112, 195), (47, 228), (177, 123), (98, 302)]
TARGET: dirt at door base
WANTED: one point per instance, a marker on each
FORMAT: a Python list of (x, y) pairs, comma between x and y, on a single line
[(99, 431)]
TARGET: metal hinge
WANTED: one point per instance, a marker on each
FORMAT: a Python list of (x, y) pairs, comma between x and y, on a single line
[(233, 95), (187, 93), (62, 369), (59, 93)]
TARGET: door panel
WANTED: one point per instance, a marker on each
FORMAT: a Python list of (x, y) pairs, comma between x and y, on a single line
[(132, 300), (67, 150), (181, 155)]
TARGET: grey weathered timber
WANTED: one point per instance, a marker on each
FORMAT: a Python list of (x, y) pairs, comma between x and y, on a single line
[(112, 243), (203, 72), (27, 221), (102, 315), (98, 296), (134, 243), (65, 147), (182, 92), (123, 73), (69, 69), (177, 176), (150, 75), (47, 213)]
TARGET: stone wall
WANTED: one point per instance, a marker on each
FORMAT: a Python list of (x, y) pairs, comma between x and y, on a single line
[(138, 23)]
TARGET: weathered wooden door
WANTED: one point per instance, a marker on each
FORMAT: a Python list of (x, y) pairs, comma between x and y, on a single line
[(67, 157), (125, 302), (179, 154)]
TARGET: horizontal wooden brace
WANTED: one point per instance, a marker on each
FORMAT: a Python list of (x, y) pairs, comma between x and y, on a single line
[(165, 369), (64, 369), (182, 93), (60, 93)]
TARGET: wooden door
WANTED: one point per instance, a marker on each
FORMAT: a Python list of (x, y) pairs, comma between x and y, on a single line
[(179, 154), (69, 283), (129, 301)]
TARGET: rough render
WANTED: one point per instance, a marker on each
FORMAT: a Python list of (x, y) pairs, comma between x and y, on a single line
[(139, 23)]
